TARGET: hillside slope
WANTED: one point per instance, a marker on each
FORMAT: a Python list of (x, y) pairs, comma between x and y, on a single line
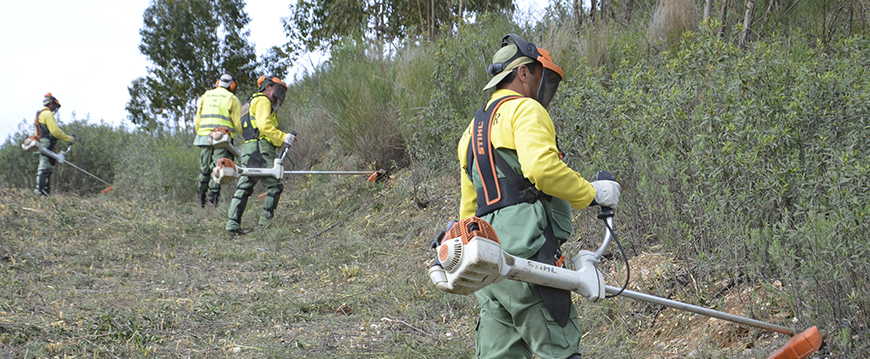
[(340, 273)]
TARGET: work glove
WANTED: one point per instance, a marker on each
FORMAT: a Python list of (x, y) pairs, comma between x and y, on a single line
[(72, 139), (289, 139), (606, 193)]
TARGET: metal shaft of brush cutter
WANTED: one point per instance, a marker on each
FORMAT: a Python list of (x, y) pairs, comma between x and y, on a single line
[(331, 172), (701, 310), (89, 174)]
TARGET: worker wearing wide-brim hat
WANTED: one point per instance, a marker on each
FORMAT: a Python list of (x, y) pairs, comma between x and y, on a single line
[(513, 177), (49, 133)]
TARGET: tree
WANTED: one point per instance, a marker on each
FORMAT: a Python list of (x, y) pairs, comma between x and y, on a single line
[(190, 43), (322, 24)]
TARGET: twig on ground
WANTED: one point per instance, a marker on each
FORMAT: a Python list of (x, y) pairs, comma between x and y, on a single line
[(390, 320)]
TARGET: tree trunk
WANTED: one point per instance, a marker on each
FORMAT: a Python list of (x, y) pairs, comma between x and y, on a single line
[(594, 5), (708, 6), (579, 14), (432, 20), (747, 21), (722, 17), (629, 5)]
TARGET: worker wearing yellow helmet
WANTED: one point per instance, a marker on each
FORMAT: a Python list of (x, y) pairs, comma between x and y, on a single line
[(48, 133), (262, 140), (513, 177), (218, 107)]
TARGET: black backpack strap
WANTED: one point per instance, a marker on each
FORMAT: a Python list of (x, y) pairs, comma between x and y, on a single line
[(557, 301), (495, 193)]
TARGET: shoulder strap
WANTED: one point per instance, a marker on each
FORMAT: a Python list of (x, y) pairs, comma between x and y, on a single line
[(484, 154), (37, 124), (249, 128), (496, 193)]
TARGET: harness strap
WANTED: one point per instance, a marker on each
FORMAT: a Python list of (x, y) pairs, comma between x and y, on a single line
[(496, 193), (39, 125), (513, 189), (250, 132)]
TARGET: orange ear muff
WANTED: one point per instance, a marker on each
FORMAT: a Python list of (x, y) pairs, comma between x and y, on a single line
[(233, 85), (260, 81), (217, 83)]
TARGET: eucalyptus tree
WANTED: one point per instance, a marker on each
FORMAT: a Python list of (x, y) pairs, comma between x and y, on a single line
[(189, 43), (320, 25)]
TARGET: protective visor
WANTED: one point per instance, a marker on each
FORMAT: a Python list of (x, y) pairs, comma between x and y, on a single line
[(552, 74), (550, 80), (278, 92)]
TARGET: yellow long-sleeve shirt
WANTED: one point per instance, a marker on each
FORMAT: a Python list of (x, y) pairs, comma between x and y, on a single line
[(523, 125), (267, 122), (46, 117)]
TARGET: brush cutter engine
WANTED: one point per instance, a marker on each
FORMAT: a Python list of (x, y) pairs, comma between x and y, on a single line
[(471, 258), (221, 137), (31, 144), (225, 171)]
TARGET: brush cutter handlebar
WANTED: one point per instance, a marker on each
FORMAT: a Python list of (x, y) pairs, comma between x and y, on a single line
[(33, 144)]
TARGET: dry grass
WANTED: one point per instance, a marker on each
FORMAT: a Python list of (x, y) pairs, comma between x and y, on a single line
[(671, 18), (340, 274)]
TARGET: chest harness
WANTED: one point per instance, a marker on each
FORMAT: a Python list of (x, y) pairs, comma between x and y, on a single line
[(496, 193), (42, 130), (251, 133)]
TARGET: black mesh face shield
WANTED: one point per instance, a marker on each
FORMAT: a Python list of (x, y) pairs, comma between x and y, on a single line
[(278, 93), (549, 84), (552, 74)]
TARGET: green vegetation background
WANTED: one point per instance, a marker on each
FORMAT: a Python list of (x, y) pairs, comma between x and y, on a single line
[(748, 164)]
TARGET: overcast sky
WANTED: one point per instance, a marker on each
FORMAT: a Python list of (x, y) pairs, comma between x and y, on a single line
[(86, 53)]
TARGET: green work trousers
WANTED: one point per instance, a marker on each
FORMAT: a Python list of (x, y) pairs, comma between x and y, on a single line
[(46, 167), (208, 158), (514, 324), (273, 186)]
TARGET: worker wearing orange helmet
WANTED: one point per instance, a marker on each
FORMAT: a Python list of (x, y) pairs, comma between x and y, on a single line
[(513, 177), (262, 141), (48, 133), (218, 107)]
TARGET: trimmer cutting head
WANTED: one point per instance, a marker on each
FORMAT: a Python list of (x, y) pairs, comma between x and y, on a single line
[(800, 346)]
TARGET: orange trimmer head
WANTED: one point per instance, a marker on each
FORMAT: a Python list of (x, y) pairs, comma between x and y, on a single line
[(800, 346)]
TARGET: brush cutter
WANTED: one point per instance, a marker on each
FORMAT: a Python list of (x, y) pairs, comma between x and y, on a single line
[(220, 137), (225, 171), (32, 144), (469, 258)]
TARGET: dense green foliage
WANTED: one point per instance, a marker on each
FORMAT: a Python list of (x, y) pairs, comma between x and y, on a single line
[(190, 43), (325, 24), (750, 164)]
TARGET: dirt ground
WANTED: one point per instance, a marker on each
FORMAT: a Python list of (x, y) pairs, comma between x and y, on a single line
[(672, 333)]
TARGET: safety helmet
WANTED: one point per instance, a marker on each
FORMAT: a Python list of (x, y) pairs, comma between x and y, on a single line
[(227, 81), (279, 91), (49, 99), (515, 52)]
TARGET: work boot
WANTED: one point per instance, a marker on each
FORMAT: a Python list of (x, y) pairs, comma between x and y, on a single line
[(213, 197), (233, 233), (201, 195), (43, 184)]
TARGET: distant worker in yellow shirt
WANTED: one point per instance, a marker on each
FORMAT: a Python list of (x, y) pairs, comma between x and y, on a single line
[(262, 140), (48, 133), (218, 107)]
